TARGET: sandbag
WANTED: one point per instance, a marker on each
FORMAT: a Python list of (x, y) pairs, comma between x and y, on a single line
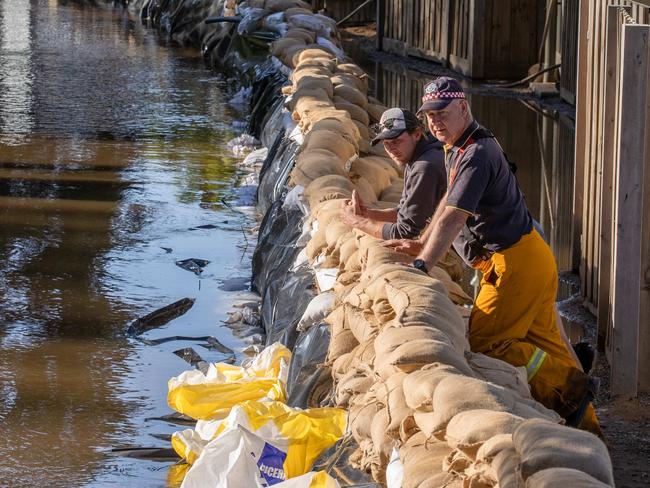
[(493, 446), (455, 394), (456, 462), (396, 407), (364, 189), (351, 94), (280, 47), (358, 82), (390, 338), (328, 188), (297, 33), (375, 111), (314, 82), (350, 68), (393, 193), (340, 344), (364, 135), (468, 430), (282, 5), (356, 112), (343, 126), (499, 372), (378, 176), (442, 315), (362, 411), (316, 245), (383, 445), (331, 141), (543, 445), (413, 355), (363, 329), (421, 460), (505, 468), (563, 477), (315, 163), (420, 385), (315, 52), (290, 12)]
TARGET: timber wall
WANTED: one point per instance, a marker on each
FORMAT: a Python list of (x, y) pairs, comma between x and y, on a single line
[(478, 38)]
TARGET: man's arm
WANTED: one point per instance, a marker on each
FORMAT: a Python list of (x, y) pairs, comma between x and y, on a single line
[(413, 247), (382, 215), (443, 232)]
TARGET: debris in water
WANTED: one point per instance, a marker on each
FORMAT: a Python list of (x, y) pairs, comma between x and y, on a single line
[(194, 265), (212, 343), (192, 357), (205, 226), (175, 418), (168, 250), (160, 317), (151, 453)]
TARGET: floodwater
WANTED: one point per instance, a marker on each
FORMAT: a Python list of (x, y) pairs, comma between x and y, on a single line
[(112, 154)]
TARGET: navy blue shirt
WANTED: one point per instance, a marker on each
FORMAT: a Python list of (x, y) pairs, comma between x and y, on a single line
[(480, 182)]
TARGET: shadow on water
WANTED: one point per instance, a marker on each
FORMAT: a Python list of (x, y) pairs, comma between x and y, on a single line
[(111, 149)]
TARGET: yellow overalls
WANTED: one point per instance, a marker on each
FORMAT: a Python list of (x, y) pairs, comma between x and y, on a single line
[(514, 319)]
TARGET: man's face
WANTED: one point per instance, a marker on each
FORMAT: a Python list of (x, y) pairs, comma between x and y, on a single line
[(448, 124), (402, 147)]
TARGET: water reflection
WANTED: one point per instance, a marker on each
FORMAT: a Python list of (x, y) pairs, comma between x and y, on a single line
[(111, 148), (15, 68)]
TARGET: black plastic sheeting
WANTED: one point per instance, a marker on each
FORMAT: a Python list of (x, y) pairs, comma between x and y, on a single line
[(306, 372)]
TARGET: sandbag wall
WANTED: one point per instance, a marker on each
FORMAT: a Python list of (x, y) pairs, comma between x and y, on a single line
[(424, 410)]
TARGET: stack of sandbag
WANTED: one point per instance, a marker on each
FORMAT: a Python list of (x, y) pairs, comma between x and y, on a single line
[(398, 354)]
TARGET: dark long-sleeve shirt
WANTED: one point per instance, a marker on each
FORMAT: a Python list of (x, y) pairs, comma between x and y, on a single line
[(425, 183)]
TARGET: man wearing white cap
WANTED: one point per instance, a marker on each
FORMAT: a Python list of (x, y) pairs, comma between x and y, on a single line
[(485, 216), (425, 182)]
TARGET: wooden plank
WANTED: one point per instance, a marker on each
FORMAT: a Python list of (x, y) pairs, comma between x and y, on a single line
[(627, 248), (609, 138), (581, 132), (381, 21), (644, 305)]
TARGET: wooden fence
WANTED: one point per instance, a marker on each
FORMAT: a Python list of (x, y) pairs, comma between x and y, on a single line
[(478, 38), (612, 194)]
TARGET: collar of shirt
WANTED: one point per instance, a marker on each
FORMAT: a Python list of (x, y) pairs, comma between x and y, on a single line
[(462, 140)]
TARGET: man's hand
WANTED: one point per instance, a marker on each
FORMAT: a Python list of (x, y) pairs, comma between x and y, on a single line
[(412, 247), (349, 217), (355, 205)]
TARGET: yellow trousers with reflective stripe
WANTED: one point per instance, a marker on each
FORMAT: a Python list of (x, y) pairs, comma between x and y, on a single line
[(514, 319)]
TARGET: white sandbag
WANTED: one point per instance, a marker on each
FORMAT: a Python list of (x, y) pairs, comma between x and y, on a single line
[(319, 307), (419, 386)]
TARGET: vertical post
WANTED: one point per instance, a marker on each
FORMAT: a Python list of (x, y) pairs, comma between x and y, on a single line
[(581, 130), (613, 26), (381, 9), (476, 55), (630, 289)]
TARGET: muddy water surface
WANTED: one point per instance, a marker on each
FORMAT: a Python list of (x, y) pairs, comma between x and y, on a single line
[(111, 155)]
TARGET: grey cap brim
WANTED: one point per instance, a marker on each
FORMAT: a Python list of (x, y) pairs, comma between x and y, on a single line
[(436, 104), (387, 134)]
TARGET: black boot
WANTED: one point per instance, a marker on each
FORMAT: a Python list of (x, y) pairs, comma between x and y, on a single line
[(586, 355), (574, 419)]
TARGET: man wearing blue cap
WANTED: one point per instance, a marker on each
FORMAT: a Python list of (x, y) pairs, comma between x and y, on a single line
[(425, 183), (485, 217)]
